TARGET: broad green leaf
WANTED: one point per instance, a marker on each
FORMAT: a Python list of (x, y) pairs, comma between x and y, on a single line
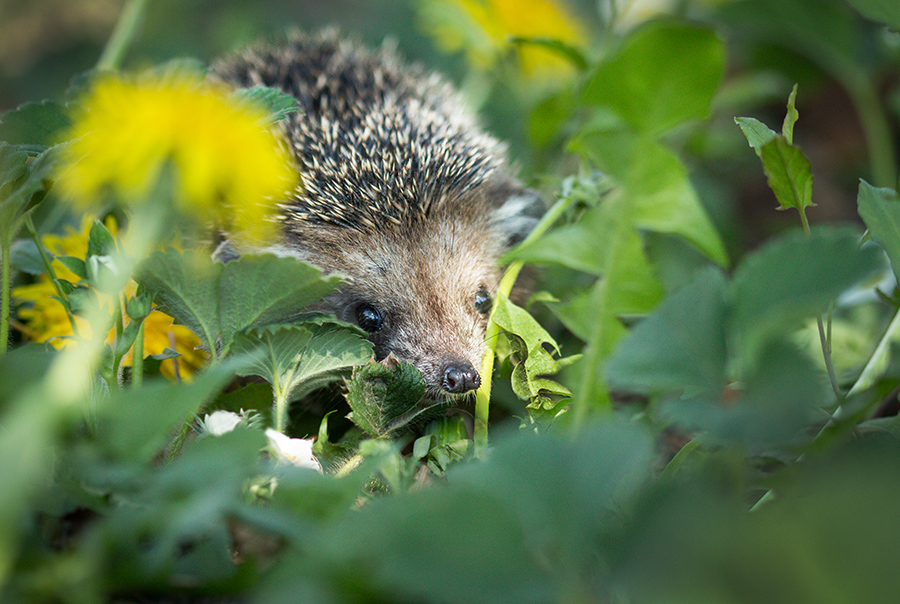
[(291, 356), (218, 301), (757, 133), (666, 73), (794, 277), (880, 210), (681, 346), (788, 172), (656, 185), (277, 103), (186, 286), (262, 289), (771, 410), (34, 126), (886, 11), (388, 396)]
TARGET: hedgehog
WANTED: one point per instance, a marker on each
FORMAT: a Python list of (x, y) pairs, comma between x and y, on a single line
[(401, 192)]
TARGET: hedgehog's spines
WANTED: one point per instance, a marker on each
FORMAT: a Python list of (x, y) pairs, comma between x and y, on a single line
[(378, 143)]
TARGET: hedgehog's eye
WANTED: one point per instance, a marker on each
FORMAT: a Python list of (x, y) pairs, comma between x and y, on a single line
[(483, 301), (368, 317)]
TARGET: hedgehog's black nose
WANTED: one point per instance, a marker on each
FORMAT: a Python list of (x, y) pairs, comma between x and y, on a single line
[(460, 377)]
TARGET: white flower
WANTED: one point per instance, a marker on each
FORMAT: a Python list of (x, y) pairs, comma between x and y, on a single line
[(221, 422), (293, 451)]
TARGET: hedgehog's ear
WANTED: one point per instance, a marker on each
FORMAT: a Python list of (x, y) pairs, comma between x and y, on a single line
[(518, 215)]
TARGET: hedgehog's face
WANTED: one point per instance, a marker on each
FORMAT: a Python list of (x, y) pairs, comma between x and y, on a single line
[(423, 297)]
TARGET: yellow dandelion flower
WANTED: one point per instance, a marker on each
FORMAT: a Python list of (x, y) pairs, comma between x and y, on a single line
[(225, 163), (487, 26), (44, 318)]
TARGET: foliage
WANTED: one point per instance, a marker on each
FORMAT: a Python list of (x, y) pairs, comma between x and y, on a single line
[(672, 418)]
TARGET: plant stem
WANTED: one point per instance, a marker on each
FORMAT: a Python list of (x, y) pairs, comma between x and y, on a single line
[(123, 34), (137, 358), (5, 277), (483, 395), (48, 268)]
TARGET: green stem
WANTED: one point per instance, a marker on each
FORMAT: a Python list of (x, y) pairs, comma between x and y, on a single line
[(5, 277), (137, 358), (875, 125), (483, 395), (123, 34), (48, 268)]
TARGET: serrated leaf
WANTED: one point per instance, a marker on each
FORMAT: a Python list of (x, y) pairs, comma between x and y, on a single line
[(387, 397), (666, 73), (218, 301), (34, 126), (788, 172), (880, 210), (292, 356), (186, 287), (757, 133), (277, 103)]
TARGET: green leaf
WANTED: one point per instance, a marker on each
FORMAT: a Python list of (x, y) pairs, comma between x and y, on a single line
[(796, 277), (34, 126), (788, 172), (880, 210), (218, 301), (886, 11), (388, 396), (757, 133), (76, 265), (138, 423), (657, 189), (666, 73), (21, 184), (681, 346), (787, 128), (291, 356), (277, 103), (573, 54)]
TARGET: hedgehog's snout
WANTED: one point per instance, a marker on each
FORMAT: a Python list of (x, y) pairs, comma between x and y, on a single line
[(459, 377)]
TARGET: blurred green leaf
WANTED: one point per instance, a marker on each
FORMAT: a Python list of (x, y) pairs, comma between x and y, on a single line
[(681, 347), (790, 118), (656, 187), (666, 73), (277, 103), (794, 277), (21, 182), (138, 423), (886, 11), (34, 127), (880, 210)]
